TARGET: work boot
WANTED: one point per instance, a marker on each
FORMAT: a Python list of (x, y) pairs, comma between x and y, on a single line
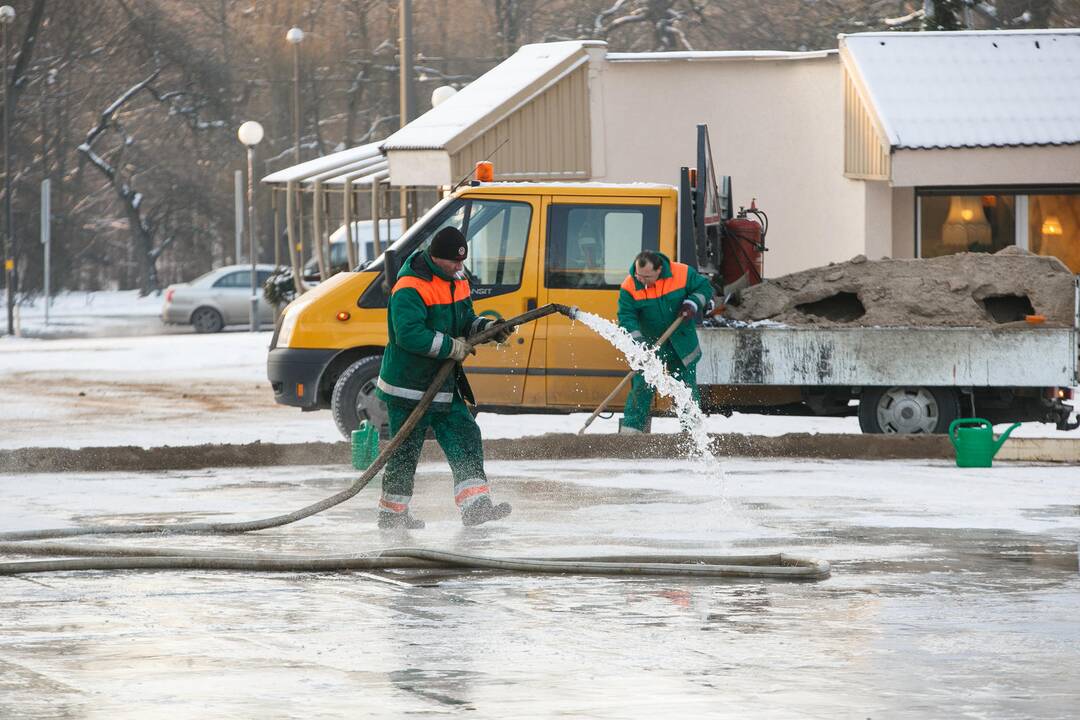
[(482, 511), (404, 520)]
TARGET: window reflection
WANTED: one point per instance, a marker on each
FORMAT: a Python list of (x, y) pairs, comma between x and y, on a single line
[(1054, 227), (966, 223)]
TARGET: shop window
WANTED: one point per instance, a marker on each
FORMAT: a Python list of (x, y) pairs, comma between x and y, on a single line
[(1045, 223), (966, 223), (1054, 227)]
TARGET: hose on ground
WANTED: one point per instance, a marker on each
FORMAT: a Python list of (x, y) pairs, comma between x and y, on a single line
[(778, 566), (315, 508)]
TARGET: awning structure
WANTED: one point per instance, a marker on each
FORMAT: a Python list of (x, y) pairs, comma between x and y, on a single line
[(359, 179), (361, 165), (948, 91)]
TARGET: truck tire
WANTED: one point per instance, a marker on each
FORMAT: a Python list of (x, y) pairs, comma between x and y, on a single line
[(354, 397), (207, 320), (908, 410)]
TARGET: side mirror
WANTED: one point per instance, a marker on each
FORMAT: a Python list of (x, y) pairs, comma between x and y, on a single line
[(390, 270)]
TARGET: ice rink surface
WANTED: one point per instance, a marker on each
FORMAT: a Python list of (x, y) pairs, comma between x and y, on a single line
[(954, 593)]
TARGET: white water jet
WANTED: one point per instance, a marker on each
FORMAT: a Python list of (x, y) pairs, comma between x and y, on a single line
[(645, 360)]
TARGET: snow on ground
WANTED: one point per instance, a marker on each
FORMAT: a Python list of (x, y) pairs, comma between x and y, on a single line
[(150, 389), (89, 314)]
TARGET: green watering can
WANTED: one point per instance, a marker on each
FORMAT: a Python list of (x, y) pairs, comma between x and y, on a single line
[(365, 445), (975, 444)]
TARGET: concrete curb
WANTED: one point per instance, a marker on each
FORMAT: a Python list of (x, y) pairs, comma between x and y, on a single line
[(541, 447)]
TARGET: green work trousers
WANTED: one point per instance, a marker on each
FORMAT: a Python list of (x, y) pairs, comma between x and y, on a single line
[(458, 436), (639, 401)]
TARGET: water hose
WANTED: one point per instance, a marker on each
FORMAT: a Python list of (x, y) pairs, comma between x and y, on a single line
[(779, 566), (359, 484)]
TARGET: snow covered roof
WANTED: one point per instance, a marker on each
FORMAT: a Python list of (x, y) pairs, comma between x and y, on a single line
[(491, 97), (361, 164), (698, 55), (970, 89)]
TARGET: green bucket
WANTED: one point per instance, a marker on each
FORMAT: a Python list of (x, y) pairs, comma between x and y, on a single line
[(365, 445), (973, 439)]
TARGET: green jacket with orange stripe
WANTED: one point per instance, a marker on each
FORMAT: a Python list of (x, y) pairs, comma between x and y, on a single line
[(646, 312), (427, 309)]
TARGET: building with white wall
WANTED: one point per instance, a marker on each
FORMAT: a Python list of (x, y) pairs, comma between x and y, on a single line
[(898, 144)]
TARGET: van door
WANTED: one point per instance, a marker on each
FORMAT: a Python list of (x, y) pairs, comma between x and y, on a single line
[(502, 265), (591, 242)]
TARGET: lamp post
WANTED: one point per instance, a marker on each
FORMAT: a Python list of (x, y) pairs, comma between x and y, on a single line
[(295, 36), (7, 16), (251, 134)]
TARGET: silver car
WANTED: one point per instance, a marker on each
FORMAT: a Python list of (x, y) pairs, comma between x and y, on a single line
[(220, 297)]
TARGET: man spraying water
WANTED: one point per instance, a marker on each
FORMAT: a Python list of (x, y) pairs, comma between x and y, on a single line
[(430, 315), (656, 293)]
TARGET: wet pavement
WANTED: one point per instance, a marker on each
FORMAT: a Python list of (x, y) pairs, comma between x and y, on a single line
[(955, 593)]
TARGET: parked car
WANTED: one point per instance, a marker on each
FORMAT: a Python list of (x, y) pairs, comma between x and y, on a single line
[(389, 231), (220, 297)]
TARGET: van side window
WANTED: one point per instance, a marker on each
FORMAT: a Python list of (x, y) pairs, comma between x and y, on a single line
[(592, 246), (497, 232)]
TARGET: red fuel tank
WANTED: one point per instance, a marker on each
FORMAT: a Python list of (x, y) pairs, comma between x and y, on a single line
[(743, 249)]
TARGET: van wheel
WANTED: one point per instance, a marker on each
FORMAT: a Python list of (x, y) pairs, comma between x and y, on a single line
[(354, 398), (908, 410), (207, 320)]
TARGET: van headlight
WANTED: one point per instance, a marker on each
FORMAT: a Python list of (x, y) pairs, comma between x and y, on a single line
[(288, 324)]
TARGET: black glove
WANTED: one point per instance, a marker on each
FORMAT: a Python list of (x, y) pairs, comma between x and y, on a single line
[(710, 308), (688, 309)]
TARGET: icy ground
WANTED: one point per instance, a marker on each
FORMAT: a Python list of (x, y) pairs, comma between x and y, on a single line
[(191, 389), (954, 594)]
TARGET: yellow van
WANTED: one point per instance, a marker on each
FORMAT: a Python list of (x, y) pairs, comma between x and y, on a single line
[(529, 245)]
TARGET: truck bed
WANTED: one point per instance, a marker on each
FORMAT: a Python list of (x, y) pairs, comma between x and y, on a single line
[(880, 356)]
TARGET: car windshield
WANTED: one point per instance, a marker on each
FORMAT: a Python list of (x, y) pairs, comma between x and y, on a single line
[(202, 277)]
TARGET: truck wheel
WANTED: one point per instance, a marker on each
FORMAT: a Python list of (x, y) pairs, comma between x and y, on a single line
[(207, 320), (354, 397), (908, 410)]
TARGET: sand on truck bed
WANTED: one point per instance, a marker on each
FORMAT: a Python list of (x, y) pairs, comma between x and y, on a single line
[(963, 290)]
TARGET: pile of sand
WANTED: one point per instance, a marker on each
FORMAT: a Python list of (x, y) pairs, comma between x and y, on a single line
[(964, 290)]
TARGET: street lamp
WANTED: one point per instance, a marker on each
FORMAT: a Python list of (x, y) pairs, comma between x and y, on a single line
[(7, 16), (295, 36), (251, 134)]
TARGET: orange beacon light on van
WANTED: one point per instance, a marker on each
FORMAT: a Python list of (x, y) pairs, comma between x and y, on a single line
[(485, 171)]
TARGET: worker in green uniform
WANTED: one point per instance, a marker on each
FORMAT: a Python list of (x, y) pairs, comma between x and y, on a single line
[(655, 292), (429, 317)]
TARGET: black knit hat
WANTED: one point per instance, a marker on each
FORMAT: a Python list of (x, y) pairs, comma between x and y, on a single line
[(449, 244)]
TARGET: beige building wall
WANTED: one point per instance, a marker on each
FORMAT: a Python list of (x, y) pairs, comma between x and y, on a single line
[(903, 223), (877, 220), (987, 166), (776, 127)]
